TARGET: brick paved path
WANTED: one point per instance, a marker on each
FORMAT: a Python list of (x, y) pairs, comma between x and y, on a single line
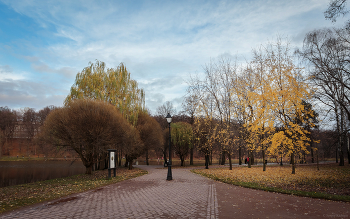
[(186, 196)]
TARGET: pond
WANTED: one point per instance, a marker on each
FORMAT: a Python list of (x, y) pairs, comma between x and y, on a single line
[(21, 172)]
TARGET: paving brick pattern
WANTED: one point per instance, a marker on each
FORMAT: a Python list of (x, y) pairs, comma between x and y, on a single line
[(187, 196), (150, 196)]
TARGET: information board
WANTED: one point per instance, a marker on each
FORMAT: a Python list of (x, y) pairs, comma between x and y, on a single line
[(111, 161)]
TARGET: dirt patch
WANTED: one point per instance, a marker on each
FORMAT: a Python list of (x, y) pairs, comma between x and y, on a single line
[(62, 201), (96, 190)]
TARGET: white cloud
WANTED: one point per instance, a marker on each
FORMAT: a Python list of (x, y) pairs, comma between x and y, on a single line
[(161, 42), (6, 73), (20, 93)]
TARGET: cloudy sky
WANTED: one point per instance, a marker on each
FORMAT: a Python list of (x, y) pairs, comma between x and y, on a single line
[(44, 44)]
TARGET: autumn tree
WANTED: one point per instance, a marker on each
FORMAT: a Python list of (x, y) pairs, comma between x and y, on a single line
[(133, 146), (30, 122), (159, 116), (212, 93), (8, 121), (190, 106), (228, 137), (286, 91), (204, 131), (89, 127), (150, 133), (269, 94), (182, 139), (43, 113), (245, 106), (113, 85)]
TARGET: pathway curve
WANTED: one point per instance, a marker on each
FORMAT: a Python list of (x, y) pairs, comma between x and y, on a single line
[(187, 196)]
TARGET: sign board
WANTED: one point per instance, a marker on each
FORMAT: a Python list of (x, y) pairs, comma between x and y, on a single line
[(111, 160)]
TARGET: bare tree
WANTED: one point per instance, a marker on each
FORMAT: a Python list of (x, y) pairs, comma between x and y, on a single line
[(213, 95), (166, 108), (150, 133), (89, 127), (335, 9), (43, 113), (30, 122), (327, 51), (8, 121)]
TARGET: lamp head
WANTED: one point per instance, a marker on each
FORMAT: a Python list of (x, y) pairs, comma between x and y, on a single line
[(168, 118)]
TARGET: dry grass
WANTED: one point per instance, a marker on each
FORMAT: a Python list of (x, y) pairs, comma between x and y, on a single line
[(330, 181)]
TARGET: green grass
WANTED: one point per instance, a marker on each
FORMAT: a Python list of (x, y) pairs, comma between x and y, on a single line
[(3, 158)]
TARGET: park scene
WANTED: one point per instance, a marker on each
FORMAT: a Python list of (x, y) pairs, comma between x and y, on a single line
[(264, 136)]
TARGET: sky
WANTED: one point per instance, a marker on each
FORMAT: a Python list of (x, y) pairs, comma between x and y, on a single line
[(44, 44)]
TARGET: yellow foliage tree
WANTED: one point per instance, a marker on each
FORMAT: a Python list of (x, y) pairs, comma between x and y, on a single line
[(269, 94), (112, 85), (204, 131), (285, 94)]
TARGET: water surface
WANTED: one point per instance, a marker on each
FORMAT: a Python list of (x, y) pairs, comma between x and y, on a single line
[(21, 172)]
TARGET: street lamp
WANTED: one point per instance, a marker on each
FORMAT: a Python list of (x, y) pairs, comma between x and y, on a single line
[(169, 177)]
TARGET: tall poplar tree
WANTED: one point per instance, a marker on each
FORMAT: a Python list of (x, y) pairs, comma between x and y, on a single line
[(112, 85)]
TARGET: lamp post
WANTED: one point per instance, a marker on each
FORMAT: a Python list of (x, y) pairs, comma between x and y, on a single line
[(169, 177)]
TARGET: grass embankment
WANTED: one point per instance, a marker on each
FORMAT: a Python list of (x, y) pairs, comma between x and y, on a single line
[(33, 158), (13, 197), (330, 182)]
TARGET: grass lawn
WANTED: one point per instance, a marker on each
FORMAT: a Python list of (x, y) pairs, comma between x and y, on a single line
[(330, 182), (12, 197)]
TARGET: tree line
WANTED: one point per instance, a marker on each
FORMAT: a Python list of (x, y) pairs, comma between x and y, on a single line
[(24, 123), (266, 106)]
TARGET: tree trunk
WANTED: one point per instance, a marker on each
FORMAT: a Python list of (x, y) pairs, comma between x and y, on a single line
[(211, 158), (348, 154), (223, 158), (182, 158), (120, 157), (191, 156), (336, 155), (281, 161), (240, 155), (318, 168), (312, 152), (126, 161), (164, 156), (207, 161), (293, 163), (250, 160), (147, 163), (341, 158), (348, 150), (252, 157), (1, 144), (88, 169), (341, 151), (229, 160), (264, 164)]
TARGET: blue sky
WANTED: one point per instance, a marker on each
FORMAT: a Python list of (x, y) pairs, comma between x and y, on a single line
[(44, 44)]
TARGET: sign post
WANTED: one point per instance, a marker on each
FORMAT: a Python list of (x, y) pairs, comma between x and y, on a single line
[(111, 162)]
